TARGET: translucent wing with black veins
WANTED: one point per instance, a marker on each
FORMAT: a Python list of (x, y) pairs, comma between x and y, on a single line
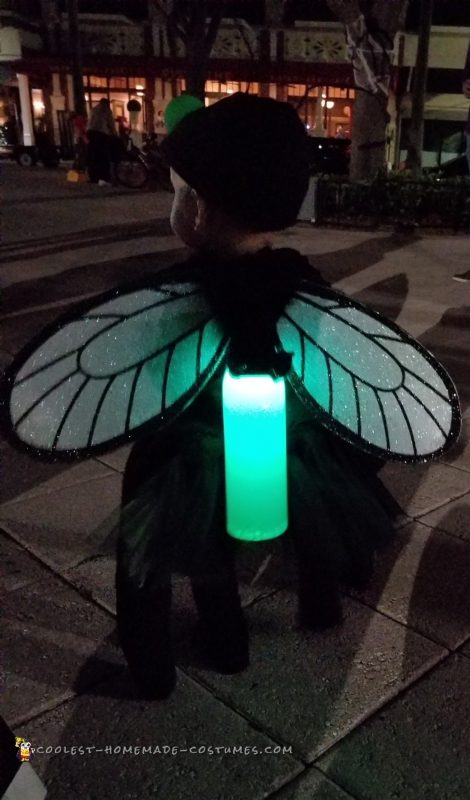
[(367, 379), (99, 376)]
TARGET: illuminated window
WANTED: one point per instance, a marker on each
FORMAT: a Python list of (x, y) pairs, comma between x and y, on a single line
[(98, 83), (118, 83), (38, 103), (213, 87), (137, 83)]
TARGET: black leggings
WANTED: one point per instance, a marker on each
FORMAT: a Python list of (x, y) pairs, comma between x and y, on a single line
[(145, 564), (99, 156)]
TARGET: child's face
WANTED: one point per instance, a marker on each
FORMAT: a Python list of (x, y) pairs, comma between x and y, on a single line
[(184, 212)]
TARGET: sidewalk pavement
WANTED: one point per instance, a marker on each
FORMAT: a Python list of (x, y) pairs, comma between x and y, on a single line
[(375, 709)]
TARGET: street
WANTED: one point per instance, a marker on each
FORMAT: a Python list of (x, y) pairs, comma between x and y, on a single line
[(375, 709)]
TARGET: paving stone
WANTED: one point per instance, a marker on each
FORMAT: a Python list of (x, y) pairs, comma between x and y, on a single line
[(310, 689), (17, 567), (465, 650), (117, 459), (312, 785), (421, 580), (191, 717), (423, 487), (459, 455), (453, 517), (95, 576), (15, 336), (29, 477), (416, 748), (65, 526), (5, 359), (54, 643)]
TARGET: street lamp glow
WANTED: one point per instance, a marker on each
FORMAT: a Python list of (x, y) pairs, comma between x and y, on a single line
[(254, 408)]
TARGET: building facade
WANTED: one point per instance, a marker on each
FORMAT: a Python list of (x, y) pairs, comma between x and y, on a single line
[(302, 61)]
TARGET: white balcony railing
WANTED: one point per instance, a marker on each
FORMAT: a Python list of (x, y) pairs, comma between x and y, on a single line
[(108, 34), (237, 40)]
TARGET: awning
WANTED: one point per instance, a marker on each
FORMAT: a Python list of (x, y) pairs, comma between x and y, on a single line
[(312, 73), (439, 106)]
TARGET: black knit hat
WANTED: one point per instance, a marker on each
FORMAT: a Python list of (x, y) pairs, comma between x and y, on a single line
[(246, 154)]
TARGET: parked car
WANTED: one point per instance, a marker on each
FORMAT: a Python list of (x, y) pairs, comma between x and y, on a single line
[(28, 155), (450, 169), (7, 140)]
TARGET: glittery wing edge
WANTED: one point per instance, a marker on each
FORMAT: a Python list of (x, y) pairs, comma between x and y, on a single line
[(80, 388), (366, 379)]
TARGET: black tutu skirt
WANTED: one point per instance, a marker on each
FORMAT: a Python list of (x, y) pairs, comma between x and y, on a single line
[(173, 504)]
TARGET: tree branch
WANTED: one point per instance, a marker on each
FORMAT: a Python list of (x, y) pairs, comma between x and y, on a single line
[(212, 29), (170, 19), (346, 10), (161, 12)]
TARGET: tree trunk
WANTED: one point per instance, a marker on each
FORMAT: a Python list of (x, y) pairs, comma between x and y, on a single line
[(196, 74), (51, 25), (187, 21), (368, 140), (416, 129), (371, 27), (76, 58), (274, 12), (197, 55)]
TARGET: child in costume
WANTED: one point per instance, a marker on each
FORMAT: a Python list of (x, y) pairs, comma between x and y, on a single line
[(240, 171), (151, 359)]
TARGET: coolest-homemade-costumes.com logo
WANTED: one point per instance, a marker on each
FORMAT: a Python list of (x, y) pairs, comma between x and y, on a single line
[(24, 749)]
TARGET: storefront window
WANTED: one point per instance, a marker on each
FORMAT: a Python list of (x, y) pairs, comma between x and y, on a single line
[(118, 83), (118, 90), (38, 104), (96, 82), (336, 107), (221, 88)]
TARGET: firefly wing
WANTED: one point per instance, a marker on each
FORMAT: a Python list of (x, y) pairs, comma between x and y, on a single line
[(95, 378), (368, 380)]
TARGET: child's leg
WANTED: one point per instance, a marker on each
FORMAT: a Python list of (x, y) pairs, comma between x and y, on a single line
[(223, 625), (317, 562), (318, 590), (215, 590), (143, 583), (143, 623)]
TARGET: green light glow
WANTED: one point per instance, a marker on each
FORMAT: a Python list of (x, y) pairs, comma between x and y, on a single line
[(254, 409)]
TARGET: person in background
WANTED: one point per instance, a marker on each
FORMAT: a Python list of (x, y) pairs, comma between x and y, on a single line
[(102, 136), (464, 277), (123, 128)]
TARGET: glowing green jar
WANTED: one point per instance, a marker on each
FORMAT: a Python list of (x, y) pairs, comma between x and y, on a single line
[(254, 408)]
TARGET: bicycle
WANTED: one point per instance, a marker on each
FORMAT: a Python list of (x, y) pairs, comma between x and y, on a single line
[(135, 167)]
